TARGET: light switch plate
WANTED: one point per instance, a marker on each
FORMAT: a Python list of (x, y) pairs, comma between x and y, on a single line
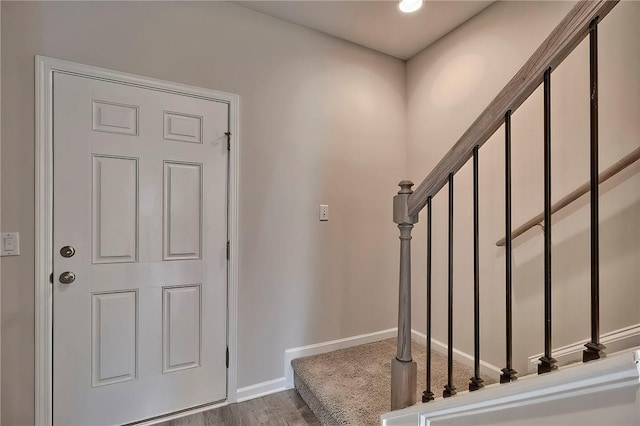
[(9, 244), (324, 212)]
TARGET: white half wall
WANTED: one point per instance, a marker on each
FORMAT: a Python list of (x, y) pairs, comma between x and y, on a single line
[(603, 392)]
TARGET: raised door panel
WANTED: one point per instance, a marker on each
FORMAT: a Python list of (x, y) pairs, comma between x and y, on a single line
[(182, 210), (115, 209), (114, 337), (112, 117), (181, 327), (182, 127)]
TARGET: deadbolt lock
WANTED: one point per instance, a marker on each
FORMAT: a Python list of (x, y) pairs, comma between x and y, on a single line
[(67, 277), (67, 251)]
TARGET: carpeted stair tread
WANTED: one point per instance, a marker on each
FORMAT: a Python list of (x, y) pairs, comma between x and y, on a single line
[(353, 386), (316, 406)]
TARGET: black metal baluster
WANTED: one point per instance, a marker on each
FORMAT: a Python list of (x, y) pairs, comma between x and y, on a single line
[(508, 373), (547, 362), (595, 349), (427, 395), (449, 389), (476, 382)]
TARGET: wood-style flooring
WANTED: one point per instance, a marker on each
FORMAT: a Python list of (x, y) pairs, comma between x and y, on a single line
[(282, 408)]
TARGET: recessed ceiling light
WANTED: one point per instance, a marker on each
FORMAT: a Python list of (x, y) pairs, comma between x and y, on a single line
[(408, 6)]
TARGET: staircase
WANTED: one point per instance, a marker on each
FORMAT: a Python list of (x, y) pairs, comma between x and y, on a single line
[(356, 385)]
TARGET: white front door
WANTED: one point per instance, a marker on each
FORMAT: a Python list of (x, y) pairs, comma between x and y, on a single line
[(140, 225)]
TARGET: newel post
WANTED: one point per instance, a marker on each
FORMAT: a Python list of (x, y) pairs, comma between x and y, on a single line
[(403, 368)]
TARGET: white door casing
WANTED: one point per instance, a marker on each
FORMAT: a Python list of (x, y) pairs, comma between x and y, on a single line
[(126, 345)]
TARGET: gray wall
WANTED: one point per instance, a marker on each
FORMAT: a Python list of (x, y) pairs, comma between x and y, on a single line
[(322, 121), (448, 86)]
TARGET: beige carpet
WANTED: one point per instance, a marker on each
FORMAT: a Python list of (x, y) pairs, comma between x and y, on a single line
[(352, 386)]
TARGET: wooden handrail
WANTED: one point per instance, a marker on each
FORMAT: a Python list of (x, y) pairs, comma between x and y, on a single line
[(619, 166), (562, 41)]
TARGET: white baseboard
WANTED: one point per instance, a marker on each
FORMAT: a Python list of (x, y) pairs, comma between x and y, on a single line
[(333, 345), (460, 356), (286, 382), (261, 389), (283, 383), (615, 341)]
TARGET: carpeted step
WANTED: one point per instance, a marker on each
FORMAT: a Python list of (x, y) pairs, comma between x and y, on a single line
[(318, 407), (353, 386)]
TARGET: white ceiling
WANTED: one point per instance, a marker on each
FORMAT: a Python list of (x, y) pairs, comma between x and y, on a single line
[(378, 25)]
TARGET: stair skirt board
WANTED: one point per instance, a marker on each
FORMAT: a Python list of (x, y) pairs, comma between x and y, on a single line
[(615, 341), (287, 382), (348, 342), (486, 368)]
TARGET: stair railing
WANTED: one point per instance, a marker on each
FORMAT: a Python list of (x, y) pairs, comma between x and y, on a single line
[(575, 195), (581, 21)]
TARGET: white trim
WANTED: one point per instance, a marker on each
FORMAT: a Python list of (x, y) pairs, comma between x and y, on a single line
[(43, 243), (283, 383), (570, 382), (333, 345), (616, 340), (0, 213), (485, 368), (348, 342), (45, 67), (262, 389), (234, 238)]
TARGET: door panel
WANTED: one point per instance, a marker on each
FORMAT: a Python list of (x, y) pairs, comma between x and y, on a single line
[(182, 127), (181, 327), (115, 208), (140, 181), (182, 210), (115, 118), (114, 337)]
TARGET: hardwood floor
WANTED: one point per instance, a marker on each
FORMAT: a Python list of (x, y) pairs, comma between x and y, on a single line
[(282, 408)]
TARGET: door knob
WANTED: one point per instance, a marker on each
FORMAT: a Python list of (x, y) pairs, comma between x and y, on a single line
[(67, 277), (67, 251)]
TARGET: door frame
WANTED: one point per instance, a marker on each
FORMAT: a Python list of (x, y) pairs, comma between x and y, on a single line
[(45, 68)]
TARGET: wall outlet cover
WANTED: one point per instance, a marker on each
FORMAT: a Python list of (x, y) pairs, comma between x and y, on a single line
[(324, 212)]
